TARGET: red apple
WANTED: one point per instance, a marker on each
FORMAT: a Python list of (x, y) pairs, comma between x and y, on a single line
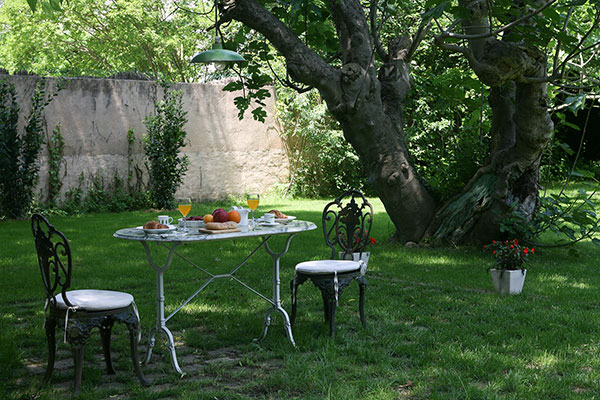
[(220, 215)]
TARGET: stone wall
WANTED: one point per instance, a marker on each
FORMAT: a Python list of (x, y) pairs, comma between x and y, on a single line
[(227, 156)]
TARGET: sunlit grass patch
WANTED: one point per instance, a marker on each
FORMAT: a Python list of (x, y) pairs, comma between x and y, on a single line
[(436, 329)]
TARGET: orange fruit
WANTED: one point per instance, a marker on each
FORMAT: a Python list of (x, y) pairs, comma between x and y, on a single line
[(208, 218), (234, 216)]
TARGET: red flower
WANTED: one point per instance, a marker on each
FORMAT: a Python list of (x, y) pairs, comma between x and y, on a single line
[(509, 254), (372, 241), (532, 250)]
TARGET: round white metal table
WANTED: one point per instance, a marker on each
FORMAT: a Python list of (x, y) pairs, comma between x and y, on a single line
[(174, 239)]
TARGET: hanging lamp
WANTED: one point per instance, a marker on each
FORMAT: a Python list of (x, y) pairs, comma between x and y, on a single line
[(217, 54)]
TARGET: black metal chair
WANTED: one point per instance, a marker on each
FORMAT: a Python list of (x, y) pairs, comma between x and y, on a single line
[(346, 225), (79, 311)]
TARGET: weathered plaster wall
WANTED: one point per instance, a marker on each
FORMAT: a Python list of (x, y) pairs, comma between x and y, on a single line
[(227, 156)]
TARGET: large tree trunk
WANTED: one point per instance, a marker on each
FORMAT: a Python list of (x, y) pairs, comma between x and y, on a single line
[(521, 129), (367, 107)]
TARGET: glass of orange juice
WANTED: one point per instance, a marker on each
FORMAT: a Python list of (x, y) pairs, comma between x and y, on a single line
[(253, 200), (184, 204)]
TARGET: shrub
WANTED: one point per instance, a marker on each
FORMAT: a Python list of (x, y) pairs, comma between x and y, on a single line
[(322, 163), (162, 145), (56, 145), (19, 165), (103, 196)]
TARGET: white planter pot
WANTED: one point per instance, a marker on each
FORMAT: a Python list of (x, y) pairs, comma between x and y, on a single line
[(508, 281), (364, 256), (358, 256)]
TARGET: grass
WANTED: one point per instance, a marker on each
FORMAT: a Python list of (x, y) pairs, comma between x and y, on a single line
[(436, 328)]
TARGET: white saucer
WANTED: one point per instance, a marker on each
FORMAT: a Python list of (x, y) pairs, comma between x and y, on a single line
[(268, 224)]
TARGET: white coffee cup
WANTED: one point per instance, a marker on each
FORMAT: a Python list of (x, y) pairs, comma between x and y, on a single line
[(269, 218), (165, 219)]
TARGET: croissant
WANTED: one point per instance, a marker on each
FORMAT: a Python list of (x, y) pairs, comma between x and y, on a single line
[(154, 225), (278, 214)]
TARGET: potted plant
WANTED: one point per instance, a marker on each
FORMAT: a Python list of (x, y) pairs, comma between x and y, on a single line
[(508, 272)]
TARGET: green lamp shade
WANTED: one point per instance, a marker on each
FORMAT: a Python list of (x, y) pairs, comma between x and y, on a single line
[(217, 54)]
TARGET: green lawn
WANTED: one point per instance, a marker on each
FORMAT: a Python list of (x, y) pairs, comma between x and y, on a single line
[(436, 328)]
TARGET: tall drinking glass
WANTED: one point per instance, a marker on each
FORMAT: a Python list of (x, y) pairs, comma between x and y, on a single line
[(253, 200), (184, 204)]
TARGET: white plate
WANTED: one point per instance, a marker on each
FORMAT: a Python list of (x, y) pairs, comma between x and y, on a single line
[(164, 230), (285, 220)]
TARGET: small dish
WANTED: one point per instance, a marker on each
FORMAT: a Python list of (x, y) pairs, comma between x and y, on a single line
[(158, 231), (262, 223)]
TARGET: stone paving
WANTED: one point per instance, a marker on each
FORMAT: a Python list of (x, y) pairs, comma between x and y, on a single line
[(218, 369)]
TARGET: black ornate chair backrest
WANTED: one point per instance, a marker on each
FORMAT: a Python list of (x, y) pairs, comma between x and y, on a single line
[(54, 258), (347, 223)]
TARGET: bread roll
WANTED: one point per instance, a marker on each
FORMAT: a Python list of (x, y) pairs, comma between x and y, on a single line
[(219, 226), (151, 225)]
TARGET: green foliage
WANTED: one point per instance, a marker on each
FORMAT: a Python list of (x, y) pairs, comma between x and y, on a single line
[(100, 196), (130, 160), (56, 144), (9, 141), (19, 166), (571, 217), (87, 37), (162, 146), (447, 124), (322, 163)]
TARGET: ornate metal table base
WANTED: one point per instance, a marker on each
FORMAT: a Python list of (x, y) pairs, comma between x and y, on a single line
[(276, 301), (161, 320)]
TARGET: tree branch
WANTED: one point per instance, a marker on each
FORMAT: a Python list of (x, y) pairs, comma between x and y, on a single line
[(517, 21), (418, 38), (304, 64), (475, 64), (375, 31), (558, 42), (353, 29)]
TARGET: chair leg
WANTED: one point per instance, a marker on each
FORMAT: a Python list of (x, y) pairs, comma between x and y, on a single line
[(77, 351), (105, 333), (51, 338), (326, 305), (293, 289), (134, 356), (332, 308), (361, 303)]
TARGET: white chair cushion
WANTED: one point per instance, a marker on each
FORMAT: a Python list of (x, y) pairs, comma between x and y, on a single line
[(95, 300), (324, 267)]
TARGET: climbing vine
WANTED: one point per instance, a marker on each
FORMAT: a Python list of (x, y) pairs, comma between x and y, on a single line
[(56, 145)]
